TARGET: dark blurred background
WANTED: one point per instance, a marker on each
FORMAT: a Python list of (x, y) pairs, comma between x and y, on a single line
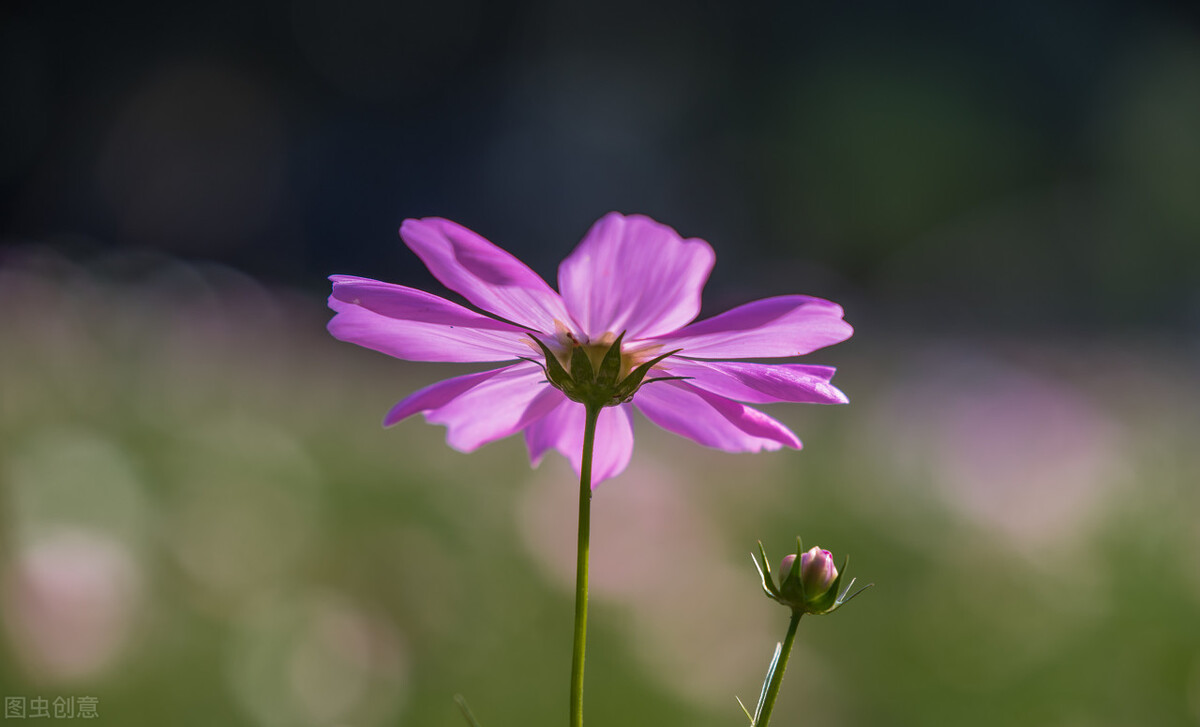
[(201, 521), (1024, 164)]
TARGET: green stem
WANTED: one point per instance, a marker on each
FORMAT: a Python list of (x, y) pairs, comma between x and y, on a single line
[(581, 566), (764, 717)]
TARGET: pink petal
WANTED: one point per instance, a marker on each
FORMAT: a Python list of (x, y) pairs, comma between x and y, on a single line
[(562, 429), (711, 420), (416, 340), (757, 383), (481, 408), (484, 274), (436, 395), (409, 304), (789, 325), (635, 275)]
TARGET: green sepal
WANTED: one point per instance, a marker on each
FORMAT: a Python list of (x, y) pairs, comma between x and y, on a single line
[(554, 370), (610, 365), (593, 384), (581, 367), (667, 378), (631, 382), (841, 599), (827, 603), (794, 573), (540, 365), (791, 586), (764, 572), (844, 599)]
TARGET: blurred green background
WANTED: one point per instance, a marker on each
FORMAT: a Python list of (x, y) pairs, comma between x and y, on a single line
[(202, 522)]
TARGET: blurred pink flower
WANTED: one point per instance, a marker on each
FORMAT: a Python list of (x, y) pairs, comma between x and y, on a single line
[(629, 275)]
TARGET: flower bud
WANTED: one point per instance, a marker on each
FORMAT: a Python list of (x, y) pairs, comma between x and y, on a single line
[(810, 588), (817, 573)]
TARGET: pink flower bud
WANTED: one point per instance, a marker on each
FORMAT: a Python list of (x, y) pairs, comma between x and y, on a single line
[(811, 585), (817, 572)]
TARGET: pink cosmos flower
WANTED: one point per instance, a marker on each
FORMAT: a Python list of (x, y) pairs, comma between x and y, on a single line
[(630, 275)]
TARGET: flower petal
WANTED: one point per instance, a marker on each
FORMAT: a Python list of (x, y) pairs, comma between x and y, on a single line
[(481, 408), (489, 277), (417, 326), (404, 303), (711, 420), (416, 341), (436, 395), (635, 275), (562, 429), (758, 383), (789, 325)]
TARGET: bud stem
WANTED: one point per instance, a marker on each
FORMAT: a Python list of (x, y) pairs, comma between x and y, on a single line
[(772, 694), (581, 565)]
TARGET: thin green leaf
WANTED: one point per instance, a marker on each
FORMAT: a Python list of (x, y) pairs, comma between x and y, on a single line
[(762, 696), (745, 711), (466, 711)]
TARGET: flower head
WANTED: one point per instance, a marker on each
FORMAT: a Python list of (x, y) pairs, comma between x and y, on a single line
[(618, 334)]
